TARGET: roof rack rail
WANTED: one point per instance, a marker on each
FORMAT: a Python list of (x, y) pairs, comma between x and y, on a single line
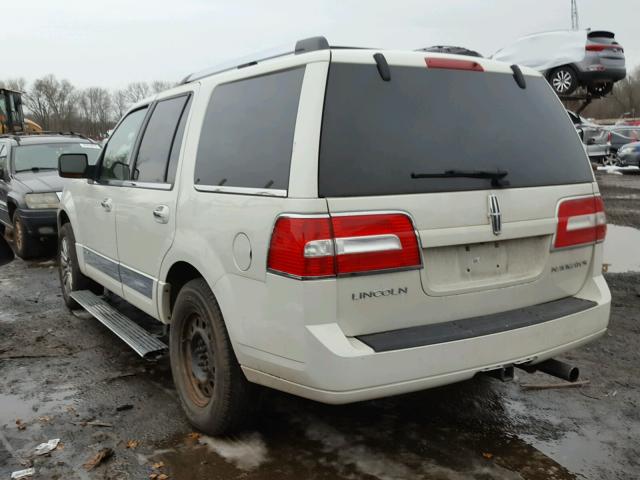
[(17, 136), (305, 45)]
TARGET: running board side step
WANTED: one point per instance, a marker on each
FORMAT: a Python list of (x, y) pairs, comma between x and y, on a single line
[(141, 341)]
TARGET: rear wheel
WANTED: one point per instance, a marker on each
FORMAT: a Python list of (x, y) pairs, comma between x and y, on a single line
[(600, 89), (27, 246), (563, 80), (214, 392), (71, 278), (610, 160)]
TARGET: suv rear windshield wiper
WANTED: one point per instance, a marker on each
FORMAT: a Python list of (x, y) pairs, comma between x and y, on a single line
[(35, 169), (496, 176)]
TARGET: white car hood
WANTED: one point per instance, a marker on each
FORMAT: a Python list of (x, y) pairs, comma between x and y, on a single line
[(544, 51)]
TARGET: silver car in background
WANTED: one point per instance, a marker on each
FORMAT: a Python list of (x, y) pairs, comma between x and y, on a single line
[(589, 132), (602, 66), (591, 59)]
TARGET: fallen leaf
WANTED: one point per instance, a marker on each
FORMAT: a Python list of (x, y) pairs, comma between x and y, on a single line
[(163, 476), (153, 476), (157, 465), (487, 455), (20, 424), (100, 457), (194, 435), (133, 444), (45, 419)]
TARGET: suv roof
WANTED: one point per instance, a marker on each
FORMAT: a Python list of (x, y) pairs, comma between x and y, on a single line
[(314, 44)]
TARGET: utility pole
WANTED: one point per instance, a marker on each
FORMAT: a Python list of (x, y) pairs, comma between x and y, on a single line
[(575, 24)]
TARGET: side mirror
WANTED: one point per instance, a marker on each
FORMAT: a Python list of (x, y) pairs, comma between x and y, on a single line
[(73, 165), (6, 254)]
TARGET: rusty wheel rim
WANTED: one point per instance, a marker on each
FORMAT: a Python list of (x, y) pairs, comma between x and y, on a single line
[(198, 360)]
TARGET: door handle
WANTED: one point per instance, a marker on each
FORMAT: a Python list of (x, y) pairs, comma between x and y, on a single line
[(161, 214), (107, 204)]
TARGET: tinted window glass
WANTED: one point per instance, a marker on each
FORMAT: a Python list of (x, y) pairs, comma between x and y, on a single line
[(247, 135), (153, 155), (375, 134), (117, 154), (177, 144)]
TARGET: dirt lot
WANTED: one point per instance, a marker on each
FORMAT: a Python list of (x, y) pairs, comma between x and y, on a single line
[(63, 375)]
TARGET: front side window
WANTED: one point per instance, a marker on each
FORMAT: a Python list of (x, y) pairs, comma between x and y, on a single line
[(118, 152), (247, 134), (159, 136), (35, 158)]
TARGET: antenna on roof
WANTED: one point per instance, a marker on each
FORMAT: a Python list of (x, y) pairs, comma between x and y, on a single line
[(575, 21)]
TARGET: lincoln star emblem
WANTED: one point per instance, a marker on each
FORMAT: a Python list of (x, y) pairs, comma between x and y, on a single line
[(495, 217)]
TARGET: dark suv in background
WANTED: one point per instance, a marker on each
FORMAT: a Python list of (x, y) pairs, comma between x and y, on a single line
[(30, 187)]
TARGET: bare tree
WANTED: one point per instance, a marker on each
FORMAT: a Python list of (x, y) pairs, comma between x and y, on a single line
[(158, 86), (95, 109), (120, 103), (137, 91)]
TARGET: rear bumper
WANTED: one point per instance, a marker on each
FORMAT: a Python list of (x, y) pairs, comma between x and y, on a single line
[(597, 150), (343, 369), (604, 76), (40, 222)]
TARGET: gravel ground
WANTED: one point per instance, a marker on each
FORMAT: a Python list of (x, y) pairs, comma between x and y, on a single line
[(65, 376)]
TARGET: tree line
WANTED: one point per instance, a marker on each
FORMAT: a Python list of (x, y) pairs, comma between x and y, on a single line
[(58, 105)]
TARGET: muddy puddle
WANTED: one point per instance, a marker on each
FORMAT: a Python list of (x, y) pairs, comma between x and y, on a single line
[(622, 249), (28, 407), (458, 432)]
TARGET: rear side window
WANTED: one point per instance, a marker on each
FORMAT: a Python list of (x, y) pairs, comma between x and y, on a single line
[(158, 140), (247, 134), (376, 134)]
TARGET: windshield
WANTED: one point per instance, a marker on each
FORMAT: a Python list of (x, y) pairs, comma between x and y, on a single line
[(376, 134), (45, 156)]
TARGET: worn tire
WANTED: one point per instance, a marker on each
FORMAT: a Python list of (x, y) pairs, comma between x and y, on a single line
[(563, 80), (68, 258), (26, 245), (216, 400)]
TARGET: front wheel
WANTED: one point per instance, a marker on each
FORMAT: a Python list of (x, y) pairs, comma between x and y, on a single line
[(71, 278), (563, 80), (214, 392), (27, 246)]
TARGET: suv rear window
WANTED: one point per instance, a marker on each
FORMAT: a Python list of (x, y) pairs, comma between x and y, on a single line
[(247, 135), (375, 134)]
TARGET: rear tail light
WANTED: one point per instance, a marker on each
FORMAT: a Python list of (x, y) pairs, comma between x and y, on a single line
[(453, 64), (581, 221), (609, 137), (598, 47), (321, 246)]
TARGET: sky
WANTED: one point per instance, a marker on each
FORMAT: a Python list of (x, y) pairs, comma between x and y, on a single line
[(111, 43)]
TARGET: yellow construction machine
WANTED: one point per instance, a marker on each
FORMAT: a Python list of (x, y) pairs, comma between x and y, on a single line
[(11, 115)]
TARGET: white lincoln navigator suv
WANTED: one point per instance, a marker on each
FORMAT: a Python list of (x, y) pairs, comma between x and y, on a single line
[(341, 224)]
